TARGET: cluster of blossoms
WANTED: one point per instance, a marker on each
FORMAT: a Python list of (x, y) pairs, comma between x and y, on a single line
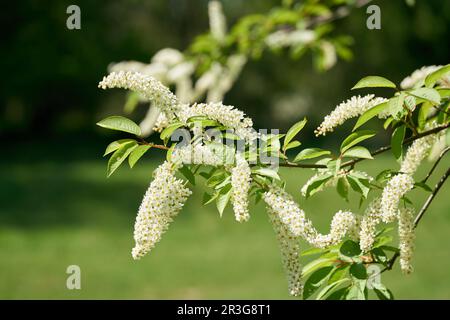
[(281, 203), (240, 182), (417, 78), (416, 153), (368, 228), (198, 154), (406, 238), (147, 86), (163, 200), (290, 250), (284, 38), (217, 21), (353, 107), (395, 189)]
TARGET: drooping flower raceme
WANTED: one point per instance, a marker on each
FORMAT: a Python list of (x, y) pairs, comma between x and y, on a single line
[(282, 204), (198, 154), (406, 237), (290, 250), (353, 107), (416, 79), (368, 228), (240, 183), (147, 86), (395, 189), (416, 153), (163, 200), (217, 21)]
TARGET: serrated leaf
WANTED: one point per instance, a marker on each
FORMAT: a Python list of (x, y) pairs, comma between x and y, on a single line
[(433, 77), (293, 131), (397, 142), (207, 198), (113, 146), (361, 185), (119, 156), (355, 138), (120, 123), (369, 114), (310, 153), (428, 94), (136, 154), (374, 82), (358, 152)]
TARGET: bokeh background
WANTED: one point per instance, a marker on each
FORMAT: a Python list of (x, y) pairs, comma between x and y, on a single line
[(57, 208)]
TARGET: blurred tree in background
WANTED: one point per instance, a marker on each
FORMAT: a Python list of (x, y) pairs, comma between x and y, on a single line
[(53, 72)]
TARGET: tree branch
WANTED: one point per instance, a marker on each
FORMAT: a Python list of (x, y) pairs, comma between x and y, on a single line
[(436, 164), (373, 153)]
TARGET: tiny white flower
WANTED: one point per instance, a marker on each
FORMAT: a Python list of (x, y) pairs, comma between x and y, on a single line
[(240, 183), (395, 189), (406, 238)]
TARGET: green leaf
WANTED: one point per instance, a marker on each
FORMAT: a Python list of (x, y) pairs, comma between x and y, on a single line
[(187, 173), (358, 270), (207, 198), (136, 154), (358, 184), (369, 114), (424, 186), (321, 295), (316, 280), (339, 294), (338, 274), (222, 200), (317, 184), (292, 144), (433, 77), (350, 249), (266, 172), (167, 132), (395, 106), (397, 142), (358, 152), (316, 264), (310, 153), (382, 292), (293, 131), (374, 82), (311, 251), (342, 188), (428, 94), (121, 124), (113, 146), (355, 138), (358, 291), (119, 156)]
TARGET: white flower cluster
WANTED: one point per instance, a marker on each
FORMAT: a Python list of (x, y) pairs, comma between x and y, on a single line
[(417, 78), (395, 189), (406, 237), (198, 154), (240, 182), (150, 88), (372, 217), (353, 107), (416, 153), (282, 204), (290, 250), (163, 200), (217, 22), (283, 38)]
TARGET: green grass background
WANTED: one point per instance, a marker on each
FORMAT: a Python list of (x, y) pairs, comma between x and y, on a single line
[(54, 213)]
